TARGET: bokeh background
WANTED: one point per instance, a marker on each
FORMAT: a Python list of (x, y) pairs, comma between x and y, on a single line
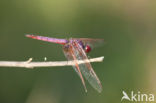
[(127, 26)]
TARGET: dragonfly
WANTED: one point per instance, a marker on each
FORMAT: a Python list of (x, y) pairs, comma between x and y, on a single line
[(76, 49)]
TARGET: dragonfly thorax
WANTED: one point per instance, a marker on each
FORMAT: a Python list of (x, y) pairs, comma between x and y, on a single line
[(85, 47)]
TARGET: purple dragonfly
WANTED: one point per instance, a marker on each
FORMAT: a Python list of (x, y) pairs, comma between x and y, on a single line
[(75, 49)]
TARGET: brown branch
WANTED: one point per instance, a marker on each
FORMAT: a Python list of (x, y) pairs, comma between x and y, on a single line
[(30, 64)]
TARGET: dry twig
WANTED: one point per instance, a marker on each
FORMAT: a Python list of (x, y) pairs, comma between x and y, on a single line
[(30, 64)]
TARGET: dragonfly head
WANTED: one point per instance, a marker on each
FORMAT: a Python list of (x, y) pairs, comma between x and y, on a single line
[(87, 48)]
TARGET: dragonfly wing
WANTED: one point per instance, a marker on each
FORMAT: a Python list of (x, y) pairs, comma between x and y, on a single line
[(68, 52), (86, 68), (92, 42)]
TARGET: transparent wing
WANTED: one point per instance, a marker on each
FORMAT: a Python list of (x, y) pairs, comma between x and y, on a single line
[(68, 52), (91, 42), (86, 68)]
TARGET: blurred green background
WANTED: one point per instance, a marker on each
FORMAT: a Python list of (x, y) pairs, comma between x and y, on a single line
[(127, 26)]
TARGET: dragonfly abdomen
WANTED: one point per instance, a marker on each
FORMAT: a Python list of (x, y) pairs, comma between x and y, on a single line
[(48, 39)]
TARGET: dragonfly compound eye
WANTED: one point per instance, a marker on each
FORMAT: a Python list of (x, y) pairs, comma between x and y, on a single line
[(87, 48)]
